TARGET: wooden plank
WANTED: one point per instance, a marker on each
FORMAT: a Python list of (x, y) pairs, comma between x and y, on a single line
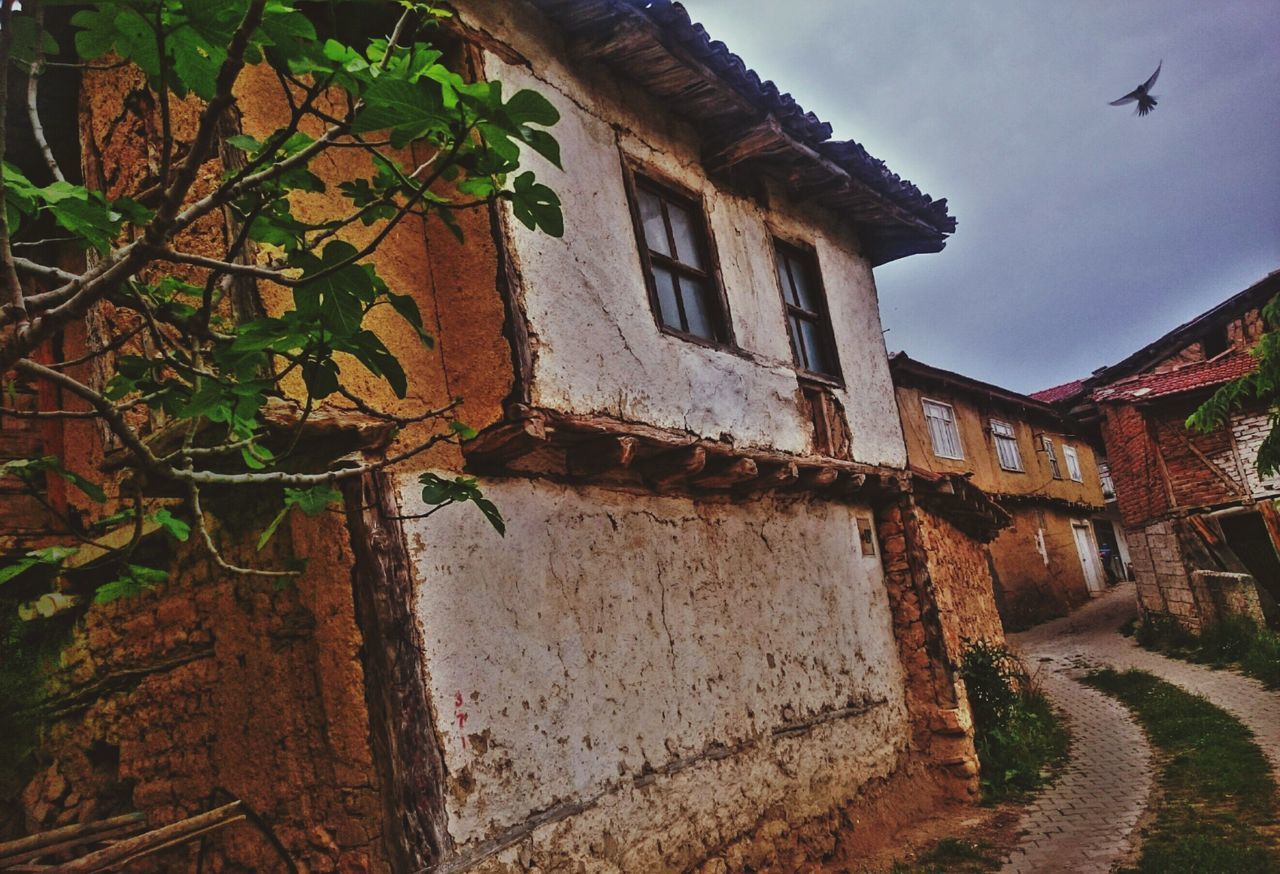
[(601, 455), (727, 475), (775, 476), (32, 846), (818, 477), (674, 467), (502, 443), (1233, 487), (157, 839), (1271, 519)]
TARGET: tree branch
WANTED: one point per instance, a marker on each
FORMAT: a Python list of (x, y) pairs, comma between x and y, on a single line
[(16, 304), (33, 79)]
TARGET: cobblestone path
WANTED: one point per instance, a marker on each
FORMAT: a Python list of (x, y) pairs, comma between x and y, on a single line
[(1085, 822)]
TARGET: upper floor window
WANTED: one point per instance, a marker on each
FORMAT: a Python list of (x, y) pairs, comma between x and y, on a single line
[(808, 322), (1050, 454), (1006, 445), (1108, 486), (676, 252), (941, 419), (1073, 463)]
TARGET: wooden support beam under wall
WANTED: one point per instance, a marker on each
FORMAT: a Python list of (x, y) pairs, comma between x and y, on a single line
[(601, 454), (726, 474), (674, 467)]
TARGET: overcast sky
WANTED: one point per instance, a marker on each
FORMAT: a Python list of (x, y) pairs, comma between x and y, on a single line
[(1084, 231)]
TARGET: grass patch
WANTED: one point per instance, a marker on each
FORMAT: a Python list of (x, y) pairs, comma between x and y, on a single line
[(1235, 641), (951, 855), (1019, 738), (1217, 807)]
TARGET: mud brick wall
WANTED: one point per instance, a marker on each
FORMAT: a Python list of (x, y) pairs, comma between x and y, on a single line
[(961, 577), (941, 723), (217, 681)]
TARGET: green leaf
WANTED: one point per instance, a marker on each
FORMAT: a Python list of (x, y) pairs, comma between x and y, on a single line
[(407, 309), (314, 500), (18, 566), (270, 530), (530, 107), (176, 528), (438, 491), (536, 206), (134, 580), (463, 430)]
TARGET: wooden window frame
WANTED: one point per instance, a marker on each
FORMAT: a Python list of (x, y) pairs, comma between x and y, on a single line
[(1046, 442), (1012, 436), (955, 426), (1072, 459), (642, 177), (808, 255)]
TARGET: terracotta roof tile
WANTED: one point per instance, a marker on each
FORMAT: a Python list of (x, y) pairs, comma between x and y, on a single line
[(1059, 392), (1202, 374)]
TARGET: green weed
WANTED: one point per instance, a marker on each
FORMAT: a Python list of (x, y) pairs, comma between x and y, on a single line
[(1018, 736), (1217, 805)]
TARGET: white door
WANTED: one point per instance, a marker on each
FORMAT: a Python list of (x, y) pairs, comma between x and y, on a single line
[(1088, 557)]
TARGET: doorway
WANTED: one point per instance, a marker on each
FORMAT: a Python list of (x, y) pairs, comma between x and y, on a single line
[(1089, 560), (1247, 536)]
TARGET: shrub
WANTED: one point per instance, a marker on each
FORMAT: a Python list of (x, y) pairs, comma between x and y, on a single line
[(1164, 632), (1235, 640), (1017, 735)]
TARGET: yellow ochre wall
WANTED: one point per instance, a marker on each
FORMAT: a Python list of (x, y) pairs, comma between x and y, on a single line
[(973, 422), (1036, 568)]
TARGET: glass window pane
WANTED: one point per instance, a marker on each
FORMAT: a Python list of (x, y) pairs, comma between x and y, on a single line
[(668, 310), (814, 350), (806, 293), (687, 235), (697, 307), (787, 291), (655, 230)]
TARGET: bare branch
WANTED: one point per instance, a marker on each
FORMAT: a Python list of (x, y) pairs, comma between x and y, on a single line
[(193, 492), (33, 80), (48, 271), (16, 304)]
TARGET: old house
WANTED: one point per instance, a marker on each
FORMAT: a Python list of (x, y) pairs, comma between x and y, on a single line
[(1196, 514), (725, 618), (1032, 460)]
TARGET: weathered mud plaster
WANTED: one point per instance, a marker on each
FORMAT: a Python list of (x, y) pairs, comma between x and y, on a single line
[(637, 662), (590, 283)]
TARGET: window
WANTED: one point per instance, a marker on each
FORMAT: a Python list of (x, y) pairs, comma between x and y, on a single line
[(676, 253), (1051, 455), (942, 429), (1006, 445), (1108, 486), (1073, 463), (1215, 342), (808, 322)]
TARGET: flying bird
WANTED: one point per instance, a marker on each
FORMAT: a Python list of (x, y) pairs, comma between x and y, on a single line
[(1142, 94)]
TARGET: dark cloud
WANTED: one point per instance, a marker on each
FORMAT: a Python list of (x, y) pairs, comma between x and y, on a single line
[(1084, 231)]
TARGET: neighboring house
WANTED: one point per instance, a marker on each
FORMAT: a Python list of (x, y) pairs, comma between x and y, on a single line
[(1108, 528), (1196, 513), (1033, 461), (725, 618)]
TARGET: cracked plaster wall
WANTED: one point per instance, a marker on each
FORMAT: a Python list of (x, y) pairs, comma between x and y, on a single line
[(647, 667), (597, 346)]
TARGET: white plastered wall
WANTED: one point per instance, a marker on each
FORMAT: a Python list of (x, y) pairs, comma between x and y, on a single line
[(650, 668), (597, 346)]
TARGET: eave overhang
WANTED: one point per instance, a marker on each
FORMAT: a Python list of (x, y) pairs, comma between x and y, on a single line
[(747, 124)]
